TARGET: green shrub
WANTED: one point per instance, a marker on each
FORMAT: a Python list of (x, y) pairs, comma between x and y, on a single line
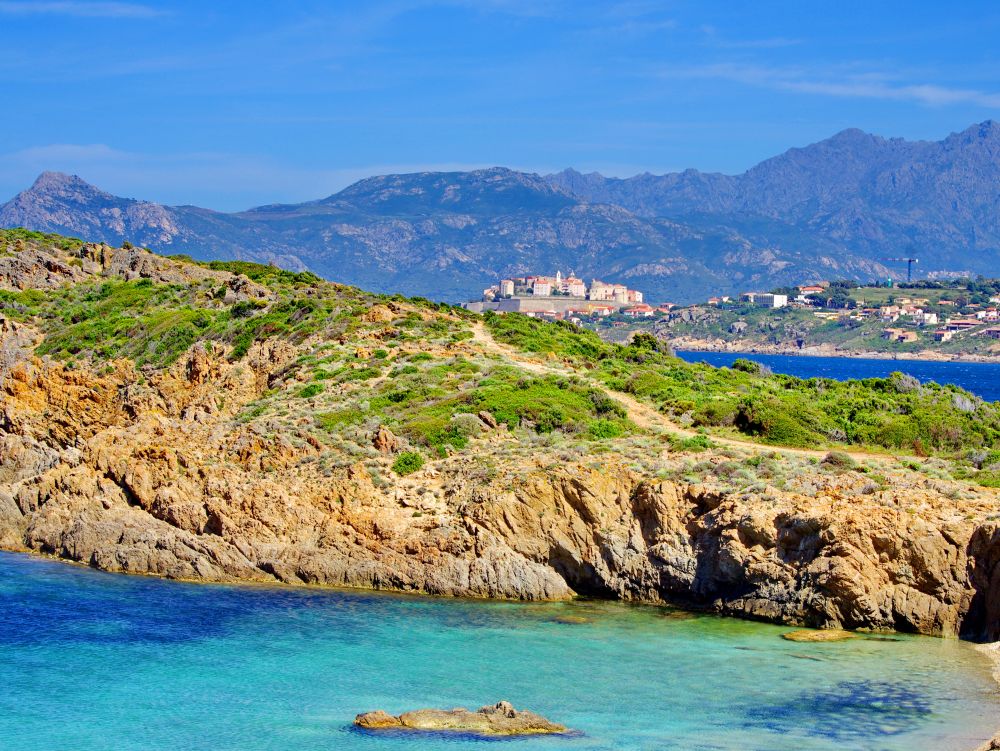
[(246, 308), (989, 479), (749, 366), (839, 460), (604, 429), (777, 422), (408, 462), (331, 421), (313, 389), (694, 443)]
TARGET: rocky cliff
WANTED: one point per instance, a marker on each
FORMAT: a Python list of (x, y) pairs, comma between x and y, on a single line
[(169, 471)]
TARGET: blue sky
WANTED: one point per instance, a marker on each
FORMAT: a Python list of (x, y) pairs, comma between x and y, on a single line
[(233, 104)]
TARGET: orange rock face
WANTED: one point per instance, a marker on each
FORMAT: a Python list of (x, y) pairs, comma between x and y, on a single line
[(160, 472)]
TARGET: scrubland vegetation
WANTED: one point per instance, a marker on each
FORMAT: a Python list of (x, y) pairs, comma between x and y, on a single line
[(414, 370), (895, 414)]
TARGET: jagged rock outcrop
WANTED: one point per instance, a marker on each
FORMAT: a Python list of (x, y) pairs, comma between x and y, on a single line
[(385, 441), (35, 268), (156, 478)]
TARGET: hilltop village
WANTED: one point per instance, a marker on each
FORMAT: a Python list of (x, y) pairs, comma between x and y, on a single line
[(562, 298)]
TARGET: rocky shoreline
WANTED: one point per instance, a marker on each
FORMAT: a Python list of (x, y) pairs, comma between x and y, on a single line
[(159, 480)]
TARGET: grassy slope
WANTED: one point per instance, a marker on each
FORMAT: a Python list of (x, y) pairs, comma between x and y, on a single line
[(413, 369), (405, 369), (894, 414)]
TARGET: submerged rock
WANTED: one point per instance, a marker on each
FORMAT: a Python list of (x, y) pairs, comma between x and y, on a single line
[(808, 635), (497, 719)]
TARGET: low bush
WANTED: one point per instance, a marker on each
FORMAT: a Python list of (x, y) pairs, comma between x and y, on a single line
[(408, 462), (604, 429), (313, 389), (838, 460)]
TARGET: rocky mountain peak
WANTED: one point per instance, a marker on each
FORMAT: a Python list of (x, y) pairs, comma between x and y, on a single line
[(986, 129), (63, 185)]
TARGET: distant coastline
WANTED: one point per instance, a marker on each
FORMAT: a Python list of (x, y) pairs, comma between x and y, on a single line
[(823, 350)]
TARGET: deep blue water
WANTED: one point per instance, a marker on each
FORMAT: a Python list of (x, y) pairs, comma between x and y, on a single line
[(982, 379), (96, 661)]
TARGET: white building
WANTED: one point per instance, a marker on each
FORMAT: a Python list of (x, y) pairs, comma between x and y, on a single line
[(542, 287), (575, 287), (765, 299)]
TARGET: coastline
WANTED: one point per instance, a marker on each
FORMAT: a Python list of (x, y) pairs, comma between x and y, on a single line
[(991, 652), (824, 350)]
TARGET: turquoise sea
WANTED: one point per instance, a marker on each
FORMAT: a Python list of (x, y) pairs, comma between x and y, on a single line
[(98, 661)]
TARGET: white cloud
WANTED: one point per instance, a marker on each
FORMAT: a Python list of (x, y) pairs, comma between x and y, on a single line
[(79, 9), (865, 86)]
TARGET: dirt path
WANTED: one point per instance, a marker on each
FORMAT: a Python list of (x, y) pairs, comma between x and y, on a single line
[(640, 413)]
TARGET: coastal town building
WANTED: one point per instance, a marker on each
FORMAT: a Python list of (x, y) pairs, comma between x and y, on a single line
[(765, 299), (990, 314), (555, 295), (812, 289), (541, 288), (900, 335), (637, 311), (961, 324)]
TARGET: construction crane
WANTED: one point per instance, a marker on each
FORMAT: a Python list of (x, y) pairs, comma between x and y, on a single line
[(909, 266)]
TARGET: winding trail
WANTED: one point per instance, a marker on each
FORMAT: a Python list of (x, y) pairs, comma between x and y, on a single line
[(642, 414)]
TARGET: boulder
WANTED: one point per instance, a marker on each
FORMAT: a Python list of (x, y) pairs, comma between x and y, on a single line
[(378, 314), (385, 440)]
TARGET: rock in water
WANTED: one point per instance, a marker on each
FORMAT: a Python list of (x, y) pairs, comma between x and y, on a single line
[(498, 719), (991, 745), (807, 635)]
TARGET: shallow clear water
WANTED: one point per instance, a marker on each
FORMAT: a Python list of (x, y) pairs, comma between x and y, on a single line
[(96, 661), (980, 378)]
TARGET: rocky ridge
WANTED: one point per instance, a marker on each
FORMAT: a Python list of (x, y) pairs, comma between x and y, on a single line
[(159, 471), (441, 235), (828, 211)]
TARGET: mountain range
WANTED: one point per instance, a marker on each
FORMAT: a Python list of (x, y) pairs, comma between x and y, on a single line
[(837, 208)]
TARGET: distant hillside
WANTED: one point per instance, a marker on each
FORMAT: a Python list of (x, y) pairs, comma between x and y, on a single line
[(861, 194), (830, 210), (441, 235)]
